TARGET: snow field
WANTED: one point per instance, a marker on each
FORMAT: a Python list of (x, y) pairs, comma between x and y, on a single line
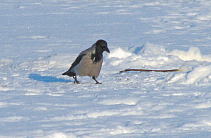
[(126, 104), (40, 40)]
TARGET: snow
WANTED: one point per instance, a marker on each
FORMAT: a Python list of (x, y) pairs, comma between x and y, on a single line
[(40, 39), (193, 53)]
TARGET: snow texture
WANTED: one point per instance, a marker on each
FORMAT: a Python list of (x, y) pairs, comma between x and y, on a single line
[(40, 39)]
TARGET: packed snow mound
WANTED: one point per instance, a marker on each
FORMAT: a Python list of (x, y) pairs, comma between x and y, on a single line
[(199, 74), (184, 68), (119, 53), (156, 52), (148, 49), (193, 65), (193, 53)]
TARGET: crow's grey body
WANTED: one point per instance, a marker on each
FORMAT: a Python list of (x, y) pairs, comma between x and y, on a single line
[(86, 66), (88, 62)]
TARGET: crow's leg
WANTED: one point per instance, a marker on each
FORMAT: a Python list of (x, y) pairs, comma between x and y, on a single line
[(76, 81), (93, 77)]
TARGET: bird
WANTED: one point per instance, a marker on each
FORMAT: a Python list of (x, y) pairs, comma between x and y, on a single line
[(88, 62)]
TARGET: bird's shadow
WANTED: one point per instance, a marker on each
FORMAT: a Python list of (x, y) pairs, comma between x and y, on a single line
[(38, 77)]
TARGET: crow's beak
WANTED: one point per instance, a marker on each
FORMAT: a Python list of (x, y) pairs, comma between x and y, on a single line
[(107, 50)]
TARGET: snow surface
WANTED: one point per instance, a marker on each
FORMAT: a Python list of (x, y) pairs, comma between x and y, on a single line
[(41, 38)]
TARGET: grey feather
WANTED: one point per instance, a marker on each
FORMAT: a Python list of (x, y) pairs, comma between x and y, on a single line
[(88, 62)]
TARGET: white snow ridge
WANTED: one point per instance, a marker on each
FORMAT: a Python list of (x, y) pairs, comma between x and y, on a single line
[(40, 39)]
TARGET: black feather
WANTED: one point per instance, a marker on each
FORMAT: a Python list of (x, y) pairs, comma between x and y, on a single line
[(77, 60), (96, 57)]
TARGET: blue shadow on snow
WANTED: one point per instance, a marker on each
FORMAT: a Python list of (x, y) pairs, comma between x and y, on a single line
[(38, 77)]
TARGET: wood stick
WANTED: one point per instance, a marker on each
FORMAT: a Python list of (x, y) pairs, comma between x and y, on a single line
[(149, 70)]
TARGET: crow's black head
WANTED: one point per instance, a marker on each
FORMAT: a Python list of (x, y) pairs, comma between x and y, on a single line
[(101, 46)]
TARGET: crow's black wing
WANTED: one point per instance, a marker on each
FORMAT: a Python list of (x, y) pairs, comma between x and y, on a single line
[(77, 60)]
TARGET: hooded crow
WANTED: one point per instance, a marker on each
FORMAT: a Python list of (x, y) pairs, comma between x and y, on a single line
[(88, 62)]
